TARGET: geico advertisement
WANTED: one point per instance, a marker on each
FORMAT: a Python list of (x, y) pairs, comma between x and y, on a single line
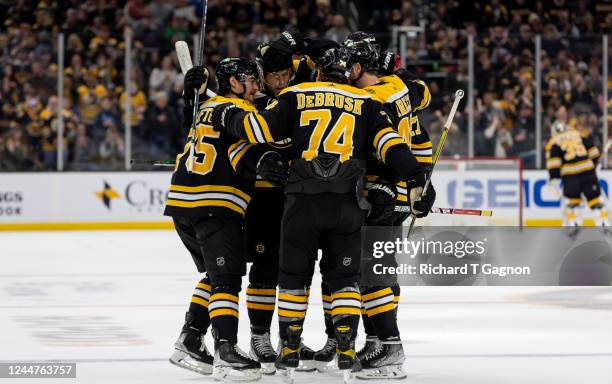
[(79, 197), (499, 192)]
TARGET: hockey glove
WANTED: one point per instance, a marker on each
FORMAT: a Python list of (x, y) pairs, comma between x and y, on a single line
[(315, 48), (293, 39), (275, 56), (388, 63), (271, 167), (195, 78), (381, 195), (221, 116), (421, 205)]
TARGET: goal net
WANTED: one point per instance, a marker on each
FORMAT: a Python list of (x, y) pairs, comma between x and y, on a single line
[(490, 184)]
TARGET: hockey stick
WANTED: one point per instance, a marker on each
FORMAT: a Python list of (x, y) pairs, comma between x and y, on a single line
[(451, 211), (458, 96), (157, 163), (196, 97)]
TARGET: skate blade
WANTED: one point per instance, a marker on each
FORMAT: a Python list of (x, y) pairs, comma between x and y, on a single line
[(326, 366), (306, 366), (230, 374), (347, 376), (267, 368), (183, 360), (390, 372), (288, 375)]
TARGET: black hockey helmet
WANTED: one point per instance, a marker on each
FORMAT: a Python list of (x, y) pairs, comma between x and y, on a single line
[(238, 67), (335, 65), (364, 48)]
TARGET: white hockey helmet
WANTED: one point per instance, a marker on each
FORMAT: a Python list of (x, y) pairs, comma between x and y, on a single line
[(558, 127)]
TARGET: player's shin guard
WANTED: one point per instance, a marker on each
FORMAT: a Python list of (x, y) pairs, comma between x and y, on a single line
[(380, 309), (260, 307), (223, 311), (571, 214), (199, 305), (601, 218), (292, 305)]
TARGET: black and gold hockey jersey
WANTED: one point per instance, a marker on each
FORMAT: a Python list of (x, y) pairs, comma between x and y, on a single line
[(570, 153), (403, 101), (331, 118), (246, 164), (212, 188)]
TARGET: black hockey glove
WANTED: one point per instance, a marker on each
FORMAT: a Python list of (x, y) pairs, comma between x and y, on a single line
[(381, 195), (315, 48), (271, 167), (420, 205), (195, 78), (406, 75), (276, 56), (388, 63), (293, 39), (221, 116)]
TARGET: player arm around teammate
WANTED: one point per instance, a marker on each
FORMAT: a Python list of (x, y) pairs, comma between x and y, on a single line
[(208, 205)]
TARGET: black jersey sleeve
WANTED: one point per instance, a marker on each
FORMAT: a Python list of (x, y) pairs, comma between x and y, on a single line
[(389, 146), (553, 161), (270, 125)]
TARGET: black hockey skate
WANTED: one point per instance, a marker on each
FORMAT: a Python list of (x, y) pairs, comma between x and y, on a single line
[(190, 350), (289, 356), (345, 350), (232, 364), (325, 358), (307, 362), (371, 344), (385, 362), (262, 351)]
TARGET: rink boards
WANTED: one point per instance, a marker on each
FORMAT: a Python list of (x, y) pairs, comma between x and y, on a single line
[(135, 200)]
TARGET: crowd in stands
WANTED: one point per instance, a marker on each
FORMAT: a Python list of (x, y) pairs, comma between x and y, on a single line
[(94, 75)]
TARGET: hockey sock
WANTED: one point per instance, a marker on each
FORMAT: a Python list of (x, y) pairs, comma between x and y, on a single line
[(292, 305), (346, 308), (600, 210), (380, 309), (368, 327), (571, 213), (260, 307), (396, 297), (223, 310), (327, 313), (199, 305)]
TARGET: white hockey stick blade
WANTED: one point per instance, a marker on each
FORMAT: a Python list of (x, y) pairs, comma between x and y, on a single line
[(183, 55)]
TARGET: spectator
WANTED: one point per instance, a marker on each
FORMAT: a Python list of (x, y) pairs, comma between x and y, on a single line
[(164, 78), (338, 32), (162, 124)]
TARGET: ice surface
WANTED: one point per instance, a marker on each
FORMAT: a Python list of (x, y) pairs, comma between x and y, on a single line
[(113, 302)]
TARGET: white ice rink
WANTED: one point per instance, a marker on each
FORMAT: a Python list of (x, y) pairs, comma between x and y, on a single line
[(113, 302)]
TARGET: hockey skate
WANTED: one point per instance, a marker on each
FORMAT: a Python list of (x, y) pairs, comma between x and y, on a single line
[(232, 364), (572, 231), (384, 362), (262, 351), (289, 355), (345, 349), (307, 362), (325, 358), (190, 350), (371, 344)]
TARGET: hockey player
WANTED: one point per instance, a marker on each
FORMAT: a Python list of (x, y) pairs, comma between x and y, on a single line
[(571, 158), (265, 210), (383, 356), (207, 202), (332, 127)]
